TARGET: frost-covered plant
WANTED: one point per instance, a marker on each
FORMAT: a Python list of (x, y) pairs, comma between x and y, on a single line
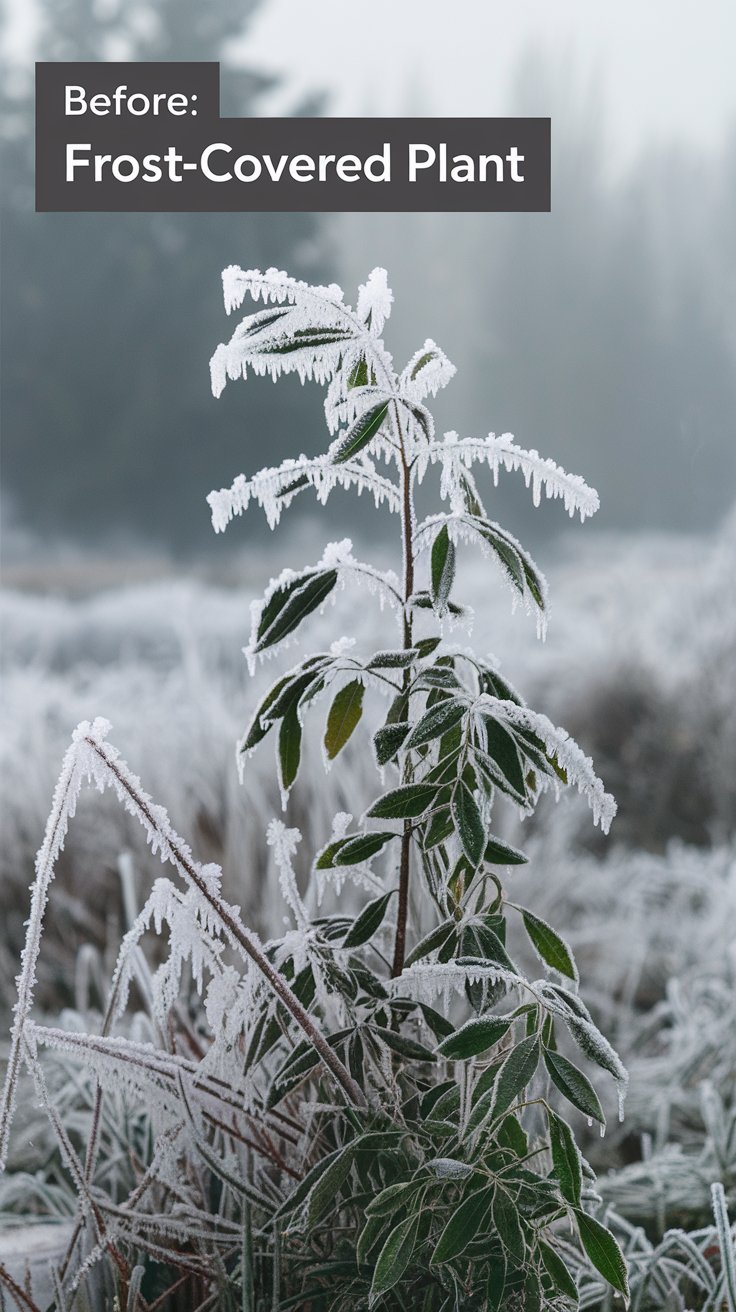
[(455, 734), (365, 1112)]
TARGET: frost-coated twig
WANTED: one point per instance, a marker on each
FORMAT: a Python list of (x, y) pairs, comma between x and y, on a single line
[(21, 1297), (91, 757), (407, 528), (240, 937), (62, 808)]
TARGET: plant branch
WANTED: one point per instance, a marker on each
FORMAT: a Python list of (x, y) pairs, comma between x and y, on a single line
[(239, 936), (407, 528)]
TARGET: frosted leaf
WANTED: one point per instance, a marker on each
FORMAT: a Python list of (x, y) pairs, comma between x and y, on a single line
[(577, 766), (361, 876), (314, 334), (336, 556), (517, 566), (449, 1168), (338, 876), (558, 999), (455, 454), (273, 286), (428, 370), (426, 980), (275, 489), (375, 299)]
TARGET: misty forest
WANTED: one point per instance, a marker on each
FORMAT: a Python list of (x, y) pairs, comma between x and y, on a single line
[(347, 978)]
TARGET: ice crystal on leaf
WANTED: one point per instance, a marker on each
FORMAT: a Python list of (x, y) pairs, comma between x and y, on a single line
[(455, 455), (575, 768)]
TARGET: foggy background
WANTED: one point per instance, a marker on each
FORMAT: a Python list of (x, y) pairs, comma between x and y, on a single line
[(604, 333)]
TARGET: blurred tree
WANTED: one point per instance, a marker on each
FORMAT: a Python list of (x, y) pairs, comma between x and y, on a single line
[(109, 319)]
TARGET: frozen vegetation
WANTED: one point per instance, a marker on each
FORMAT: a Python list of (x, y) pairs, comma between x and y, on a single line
[(639, 663), (639, 657)]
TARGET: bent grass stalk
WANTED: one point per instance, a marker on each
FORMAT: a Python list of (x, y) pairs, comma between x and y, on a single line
[(237, 933)]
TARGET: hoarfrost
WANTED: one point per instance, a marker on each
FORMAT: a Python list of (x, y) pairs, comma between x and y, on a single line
[(456, 454)]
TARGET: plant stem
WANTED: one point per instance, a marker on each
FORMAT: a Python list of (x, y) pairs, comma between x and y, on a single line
[(239, 935), (407, 525)]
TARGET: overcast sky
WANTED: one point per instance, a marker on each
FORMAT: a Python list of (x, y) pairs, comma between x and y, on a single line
[(663, 69)]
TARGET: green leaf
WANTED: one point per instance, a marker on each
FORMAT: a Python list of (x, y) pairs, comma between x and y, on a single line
[(403, 803), (344, 715), (496, 1286), (388, 740), (361, 433), (257, 323), (369, 920), (533, 581), (550, 946), (293, 692), (475, 1036), (423, 601), (532, 1292), (393, 1197), (304, 1186), (368, 1237), (324, 1193), (507, 1224), (256, 730), (436, 938), (440, 828), (290, 748), (426, 646), (485, 943), (394, 1257), (498, 687), (603, 1251), (359, 375), (508, 555), (305, 338), (575, 1086), (439, 1024), (442, 569), (435, 722), (469, 824), (516, 1072), (596, 1047), (463, 1225), (404, 1046), (361, 848), (557, 1271), (470, 495), (511, 1135), (290, 604), (422, 362), (326, 858), (565, 1159), (502, 854), (392, 660), (502, 749)]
